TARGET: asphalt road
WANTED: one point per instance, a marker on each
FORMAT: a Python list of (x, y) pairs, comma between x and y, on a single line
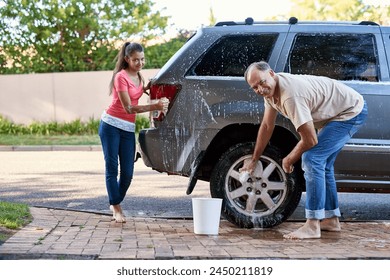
[(75, 180)]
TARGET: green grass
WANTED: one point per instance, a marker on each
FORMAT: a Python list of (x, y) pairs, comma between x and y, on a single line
[(14, 215), (32, 140)]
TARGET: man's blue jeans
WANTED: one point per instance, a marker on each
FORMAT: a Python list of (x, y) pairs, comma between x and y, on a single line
[(318, 166), (117, 145)]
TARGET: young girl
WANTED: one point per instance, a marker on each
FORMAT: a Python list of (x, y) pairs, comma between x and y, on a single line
[(117, 124)]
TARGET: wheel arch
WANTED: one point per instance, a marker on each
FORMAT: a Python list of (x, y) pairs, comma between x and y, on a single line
[(238, 133)]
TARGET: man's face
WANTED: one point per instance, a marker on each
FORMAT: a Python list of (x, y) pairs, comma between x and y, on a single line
[(262, 82)]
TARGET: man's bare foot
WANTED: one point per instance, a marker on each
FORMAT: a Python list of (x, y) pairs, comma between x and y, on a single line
[(330, 224), (311, 229)]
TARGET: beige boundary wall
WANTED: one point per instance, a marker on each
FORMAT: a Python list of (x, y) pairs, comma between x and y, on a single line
[(61, 97)]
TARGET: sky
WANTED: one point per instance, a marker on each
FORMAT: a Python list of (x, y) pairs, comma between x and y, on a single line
[(192, 14)]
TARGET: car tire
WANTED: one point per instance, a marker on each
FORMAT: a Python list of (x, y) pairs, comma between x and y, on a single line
[(265, 199)]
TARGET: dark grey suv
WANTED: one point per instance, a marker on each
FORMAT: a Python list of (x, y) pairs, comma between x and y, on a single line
[(213, 118)]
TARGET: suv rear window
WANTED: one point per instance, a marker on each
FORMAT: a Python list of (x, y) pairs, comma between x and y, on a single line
[(231, 55), (330, 55)]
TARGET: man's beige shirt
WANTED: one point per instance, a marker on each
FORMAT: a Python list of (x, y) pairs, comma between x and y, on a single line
[(305, 98)]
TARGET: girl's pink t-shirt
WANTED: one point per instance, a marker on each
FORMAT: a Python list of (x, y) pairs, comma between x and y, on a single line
[(122, 82)]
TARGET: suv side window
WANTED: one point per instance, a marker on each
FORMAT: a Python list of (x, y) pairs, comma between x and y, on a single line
[(231, 55), (338, 56)]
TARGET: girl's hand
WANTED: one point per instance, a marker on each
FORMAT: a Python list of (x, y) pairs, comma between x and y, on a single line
[(163, 104), (147, 87)]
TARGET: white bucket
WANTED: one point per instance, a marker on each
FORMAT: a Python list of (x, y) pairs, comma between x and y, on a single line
[(206, 213)]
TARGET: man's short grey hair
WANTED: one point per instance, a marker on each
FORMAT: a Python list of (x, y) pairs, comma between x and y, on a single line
[(260, 65)]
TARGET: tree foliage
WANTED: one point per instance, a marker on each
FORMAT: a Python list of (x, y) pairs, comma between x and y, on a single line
[(71, 35), (353, 10), (157, 55)]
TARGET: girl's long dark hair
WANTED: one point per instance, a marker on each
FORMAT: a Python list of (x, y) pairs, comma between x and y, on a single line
[(127, 50)]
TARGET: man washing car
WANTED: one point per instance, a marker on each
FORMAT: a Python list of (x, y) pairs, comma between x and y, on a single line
[(326, 113)]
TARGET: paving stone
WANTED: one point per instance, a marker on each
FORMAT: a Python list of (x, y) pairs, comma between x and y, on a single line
[(60, 234)]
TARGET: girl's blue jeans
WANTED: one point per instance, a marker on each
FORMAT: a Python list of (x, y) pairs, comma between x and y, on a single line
[(118, 146), (318, 166)]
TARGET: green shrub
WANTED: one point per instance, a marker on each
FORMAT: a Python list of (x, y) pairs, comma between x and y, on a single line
[(141, 122), (76, 127)]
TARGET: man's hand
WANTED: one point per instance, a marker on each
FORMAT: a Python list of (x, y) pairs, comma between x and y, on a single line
[(249, 166), (288, 167), (308, 141)]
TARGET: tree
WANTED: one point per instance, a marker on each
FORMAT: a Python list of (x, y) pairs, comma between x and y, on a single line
[(157, 55), (354, 10), (212, 18), (71, 35)]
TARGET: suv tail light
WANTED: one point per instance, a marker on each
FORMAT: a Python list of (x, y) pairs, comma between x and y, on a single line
[(158, 91)]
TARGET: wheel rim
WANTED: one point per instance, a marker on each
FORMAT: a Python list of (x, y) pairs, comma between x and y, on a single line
[(262, 193)]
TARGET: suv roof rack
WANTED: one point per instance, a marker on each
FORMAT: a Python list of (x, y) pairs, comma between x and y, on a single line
[(293, 20)]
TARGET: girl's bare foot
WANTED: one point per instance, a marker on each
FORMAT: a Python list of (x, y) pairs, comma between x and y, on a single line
[(119, 218), (117, 214), (330, 224), (112, 209), (311, 229)]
